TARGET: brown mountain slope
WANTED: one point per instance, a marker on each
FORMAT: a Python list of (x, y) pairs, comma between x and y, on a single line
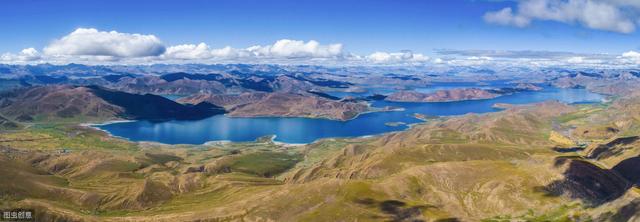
[(512, 134), (226, 101), (442, 95), (56, 101), (7, 124), (281, 104), (94, 103), (157, 85), (467, 168)]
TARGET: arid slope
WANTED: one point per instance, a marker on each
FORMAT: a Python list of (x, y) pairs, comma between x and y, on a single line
[(281, 104), (497, 166)]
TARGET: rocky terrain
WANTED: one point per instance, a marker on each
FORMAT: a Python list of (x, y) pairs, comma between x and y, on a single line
[(527, 87), (539, 162), (45, 103), (442, 95), (281, 104), (461, 94), (6, 124), (56, 101), (185, 81), (605, 81), (427, 173), (227, 101)]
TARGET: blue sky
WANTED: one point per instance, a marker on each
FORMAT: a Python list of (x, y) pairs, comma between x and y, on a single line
[(362, 27)]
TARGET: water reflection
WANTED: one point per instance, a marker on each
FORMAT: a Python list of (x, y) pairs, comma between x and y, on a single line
[(304, 130)]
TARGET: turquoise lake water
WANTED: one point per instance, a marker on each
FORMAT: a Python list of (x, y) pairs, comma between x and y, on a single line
[(305, 130)]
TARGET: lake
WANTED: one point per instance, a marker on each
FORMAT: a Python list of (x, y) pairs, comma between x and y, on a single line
[(305, 130)]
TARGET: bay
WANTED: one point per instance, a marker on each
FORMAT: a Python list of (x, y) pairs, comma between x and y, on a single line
[(306, 130)]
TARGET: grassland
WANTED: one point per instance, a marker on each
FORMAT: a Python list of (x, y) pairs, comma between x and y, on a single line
[(493, 166)]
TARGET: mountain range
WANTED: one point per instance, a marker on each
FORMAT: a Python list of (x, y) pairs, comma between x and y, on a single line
[(547, 161)]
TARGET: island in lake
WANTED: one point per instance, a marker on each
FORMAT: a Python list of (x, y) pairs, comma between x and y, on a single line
[(121, 127), (283, 105), (263, 139)]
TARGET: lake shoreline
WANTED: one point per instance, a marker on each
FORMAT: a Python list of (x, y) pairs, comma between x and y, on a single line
[(300, 130)]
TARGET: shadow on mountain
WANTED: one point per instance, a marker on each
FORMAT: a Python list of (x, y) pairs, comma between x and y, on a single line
[(611, 148), (323, 82), (262, 84), (6, 124), (567, 150), (629, 169), (323, 95), (625, 213), (397, 210), (116, 77), (181, 75), (592, 184), (153, 107)]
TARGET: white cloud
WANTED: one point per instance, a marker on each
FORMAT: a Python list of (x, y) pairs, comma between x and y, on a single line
[(473, 61), (631, 54), (480, 58), (281, 49), (609, 15), (630, 3), (188, 51), (396, 57), (26, 55), (92, 42), (30, 54), (506, 17), (630, 57), (286, 48), (230, 53), (90, 46), (584, 60), (576, 60), (514, 54)]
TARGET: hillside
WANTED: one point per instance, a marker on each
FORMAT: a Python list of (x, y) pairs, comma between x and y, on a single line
[(7, 124), (281, 104), (442, 95), (490, 166), (94, 103), (227, 101), (154, 107), (470, 137), (56, 101), (450, 95)]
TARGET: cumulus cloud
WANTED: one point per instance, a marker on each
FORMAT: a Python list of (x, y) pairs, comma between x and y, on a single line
[(286, 48), (281, 49), (518, 54), (631, 54), (91, 46), (230, 53), (26, 55), (608, 15), (532, 58), (188, 51), (466, 61), (29, 54), (396, 57), (536, 58), (630, 57), (92, 42), (506, 17), (576, 60)]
